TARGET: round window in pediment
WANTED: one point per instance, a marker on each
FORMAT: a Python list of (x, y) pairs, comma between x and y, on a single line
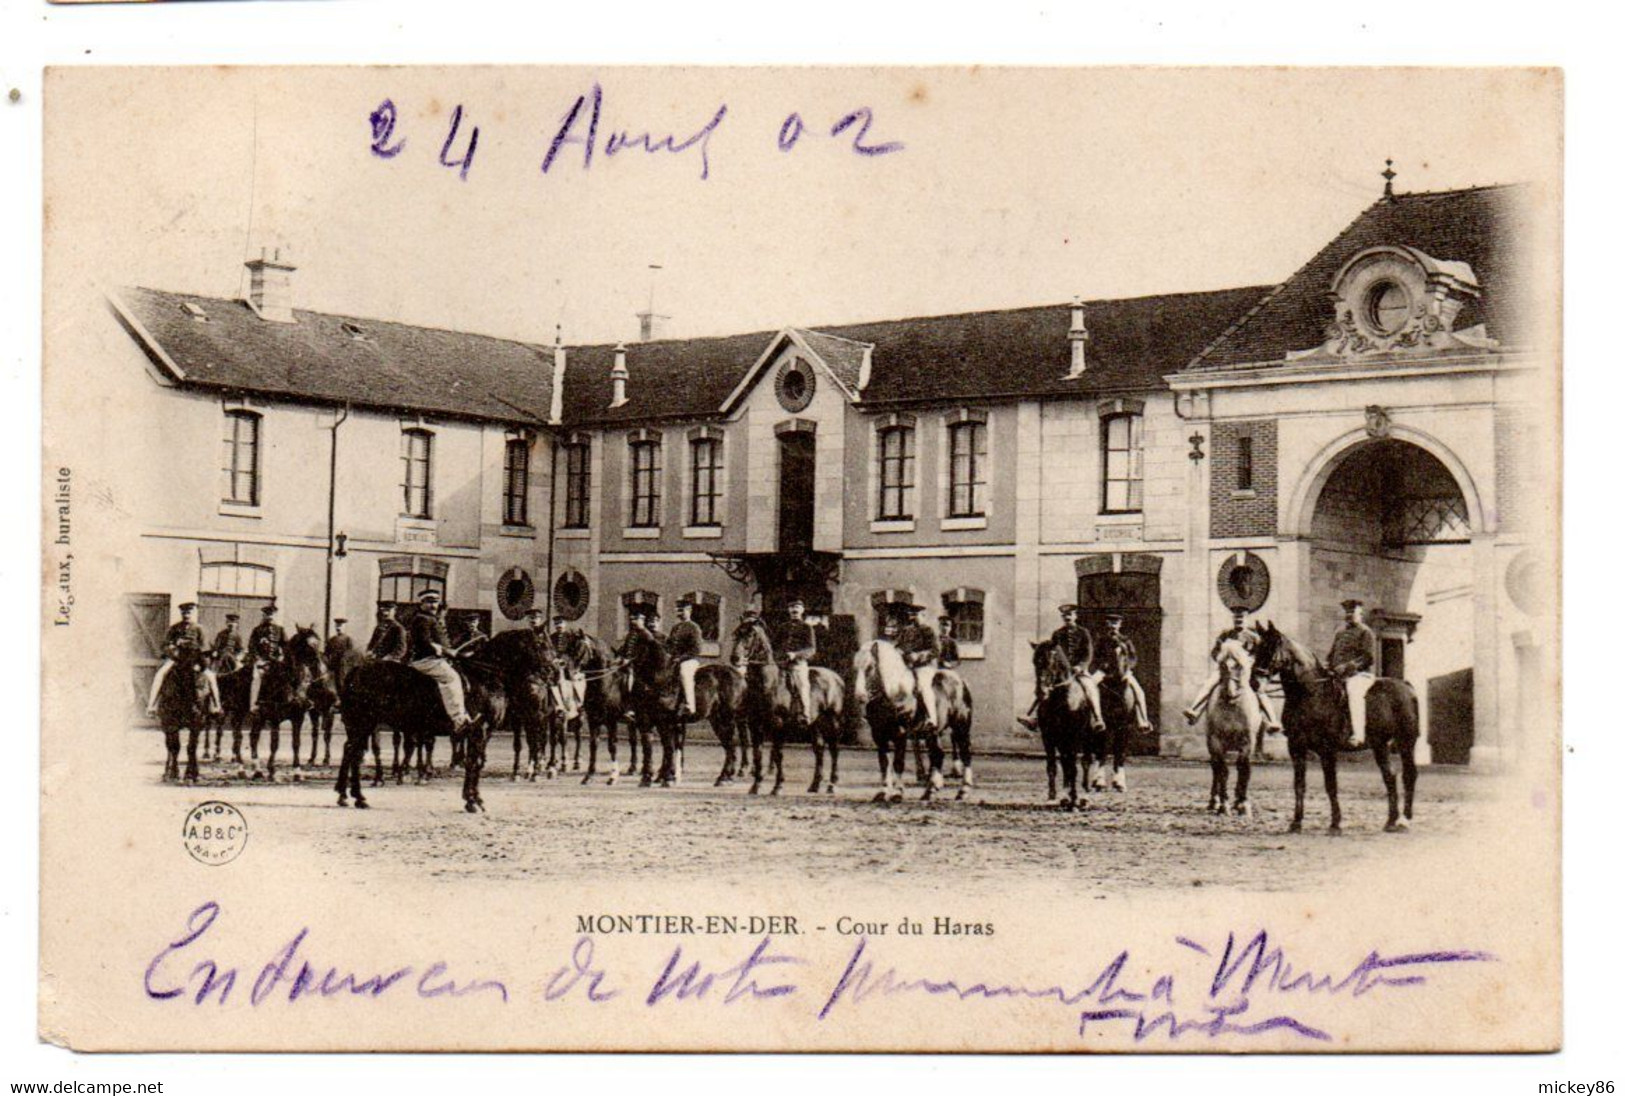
[(795, 385), (1388, 306)]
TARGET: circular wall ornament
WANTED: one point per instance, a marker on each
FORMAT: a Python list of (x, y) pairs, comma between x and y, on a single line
[(515, 593), (795, 384), (1244, 582), (1529, 583), (571, 595)]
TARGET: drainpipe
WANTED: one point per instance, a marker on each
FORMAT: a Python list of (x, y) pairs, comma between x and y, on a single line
[(332, 504)]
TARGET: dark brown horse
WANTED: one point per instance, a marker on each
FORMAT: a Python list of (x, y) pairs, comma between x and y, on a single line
[(1108, 747), (771, 708), (606, 702), (183, 704), (1068, 717), (657, 697), (1315, 717), (284, 697), (324, 701), (719, 699)]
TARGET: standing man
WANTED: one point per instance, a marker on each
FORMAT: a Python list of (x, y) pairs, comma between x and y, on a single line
[(227, 651), (184, 637), (684, 648), (1127, 659), (388, 642), (918, 643), (947, 646), (266, 644), (430, 654), (1354, 653), (797, 646), (339, 646)]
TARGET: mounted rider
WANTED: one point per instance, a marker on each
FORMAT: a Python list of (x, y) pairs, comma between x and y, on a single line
[(227, 651), (917, 642), (684, 648), (797, 646), (267, 645), (560, 669), (1127, 659), (1352, 658), (430, 654), (1075, 642), (572, 681), (183, 639), (389, 641), (1249, 639), (947, 646)]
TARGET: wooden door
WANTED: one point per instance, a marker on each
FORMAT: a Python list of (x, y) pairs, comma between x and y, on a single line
[(146, 622), (1137, 597)]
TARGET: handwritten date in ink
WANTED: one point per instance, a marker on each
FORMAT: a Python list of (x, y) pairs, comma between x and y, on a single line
[(584, 134)]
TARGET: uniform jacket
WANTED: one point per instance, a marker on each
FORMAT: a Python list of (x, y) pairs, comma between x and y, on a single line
[(388, 642), (685, 641), (919, 645), (228, 648), (182, 634), (1129, 657), (1249, 639), (1354, 650), (337, 649), (949, 656), (798, 640), (1076, 641), (270, 632), (428, 632)]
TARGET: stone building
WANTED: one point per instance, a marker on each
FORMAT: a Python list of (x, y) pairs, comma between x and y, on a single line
[(1361, 429)]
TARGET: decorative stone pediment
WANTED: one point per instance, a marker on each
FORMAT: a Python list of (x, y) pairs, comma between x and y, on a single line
[(1398, 301)]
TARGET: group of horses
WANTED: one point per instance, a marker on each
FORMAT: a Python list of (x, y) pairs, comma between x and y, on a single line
[(750, 702)]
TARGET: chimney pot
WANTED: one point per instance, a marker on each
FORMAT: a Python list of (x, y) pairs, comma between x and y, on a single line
[(1079, 336), (270, 286), (618, 376)]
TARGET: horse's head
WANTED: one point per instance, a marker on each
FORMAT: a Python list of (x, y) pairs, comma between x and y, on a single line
[(1235, 667), (751, 647), (1281, 655), (1050, 666)]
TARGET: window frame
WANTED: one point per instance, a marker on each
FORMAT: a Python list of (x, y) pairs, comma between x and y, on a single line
[(516, 482), (954, 604), (236, 419), (1244, 462), (975, 484), (904, 463), (577, 484), (711, 446), (1133, 452), (411, 435), (644, 509)]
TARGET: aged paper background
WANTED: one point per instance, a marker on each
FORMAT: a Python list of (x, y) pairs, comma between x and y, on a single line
[(116, 883)]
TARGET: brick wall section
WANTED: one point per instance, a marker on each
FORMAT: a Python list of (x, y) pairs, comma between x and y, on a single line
[(1241, 515)]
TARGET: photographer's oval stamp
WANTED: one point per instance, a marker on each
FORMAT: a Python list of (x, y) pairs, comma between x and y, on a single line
[(214, 833)]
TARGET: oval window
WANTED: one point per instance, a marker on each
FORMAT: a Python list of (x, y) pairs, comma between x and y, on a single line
[(1388, 306), (571, 595)]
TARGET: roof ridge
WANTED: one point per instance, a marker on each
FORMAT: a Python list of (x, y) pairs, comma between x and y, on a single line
[(341, 316), (1275, 291), (1477, 188)]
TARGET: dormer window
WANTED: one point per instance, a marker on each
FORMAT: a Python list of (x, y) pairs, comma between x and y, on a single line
[(196, 312), (355, 331), (1388, 306)]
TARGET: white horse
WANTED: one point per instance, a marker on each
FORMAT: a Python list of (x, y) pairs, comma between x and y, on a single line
[(885, 687)]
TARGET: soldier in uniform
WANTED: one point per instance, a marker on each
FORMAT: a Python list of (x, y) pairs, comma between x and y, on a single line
[(1248, 638), (1078, 645), (1353, 654), (797, 646), (684, 648), (266, 644), (388, 642), (572, 682), (1128, 658), (947, 646), (339, 645), (227, 651), (183, 637), (430, 654), (635, 631), (918, 643)]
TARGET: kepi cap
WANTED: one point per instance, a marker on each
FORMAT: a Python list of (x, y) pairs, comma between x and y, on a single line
[(1353, 603)]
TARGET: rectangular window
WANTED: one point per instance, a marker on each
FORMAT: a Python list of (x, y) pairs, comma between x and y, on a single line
[(577, 484), (896, 473), (1244, 464), (1123, 464), (967, 470), (706, 484), (404, 589), (968, 620), (242, 458), (516, 483), (646, 484), (416, 474)]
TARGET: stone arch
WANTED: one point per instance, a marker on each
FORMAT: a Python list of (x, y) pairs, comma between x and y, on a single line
[(1297, 520)]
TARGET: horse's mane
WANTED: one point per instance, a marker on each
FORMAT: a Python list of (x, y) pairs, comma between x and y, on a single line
[(756, 631)]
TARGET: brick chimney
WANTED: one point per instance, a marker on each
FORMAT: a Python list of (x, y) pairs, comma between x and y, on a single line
[(617, 377), (556, 405), (270, 286), (1079, 336)]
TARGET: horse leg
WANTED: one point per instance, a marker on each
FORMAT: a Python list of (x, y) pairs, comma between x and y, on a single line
[(777, 760), (1120, 759), (1385, 765), (1244, 773), (172, 751), (1300, 782), (1328, 768), (920, 771), (934, 754), (1407, 767), (645, 739), (833, 732), (1219, 800), (899, 754), (198, 728), (818, 760), (377, 758), (1051, 764), (298, 727)]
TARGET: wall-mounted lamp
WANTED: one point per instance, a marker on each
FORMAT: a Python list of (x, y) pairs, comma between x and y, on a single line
[(1196, 453), (339, 541)]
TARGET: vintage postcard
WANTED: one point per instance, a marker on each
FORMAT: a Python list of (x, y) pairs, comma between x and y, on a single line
[(801, 559)]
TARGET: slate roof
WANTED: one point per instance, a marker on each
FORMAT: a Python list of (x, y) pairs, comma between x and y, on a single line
[(1481, 226), (386, 365), (1133, 343)]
